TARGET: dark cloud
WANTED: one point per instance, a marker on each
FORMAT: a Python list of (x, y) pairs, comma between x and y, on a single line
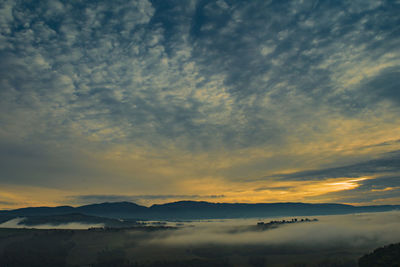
[(389, 163), (358, 196), (385, 85), (382, 189), (8, 203), (387, 143), (138, 65), (80, 79)]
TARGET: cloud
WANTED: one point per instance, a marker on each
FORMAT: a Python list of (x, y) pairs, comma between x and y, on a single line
[(7, 203), (138, 73), (95, 95), (380, 190), (387, 143), (389, 163), (385, 85)]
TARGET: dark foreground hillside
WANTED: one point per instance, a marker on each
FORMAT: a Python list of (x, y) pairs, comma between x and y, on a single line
[(387, 256)]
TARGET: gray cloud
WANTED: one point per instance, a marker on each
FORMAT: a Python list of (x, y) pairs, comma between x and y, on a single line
[(136, 68), (7, 203), (81, 78), (385, 85), (389, 163), (378, 190), (387, 143)]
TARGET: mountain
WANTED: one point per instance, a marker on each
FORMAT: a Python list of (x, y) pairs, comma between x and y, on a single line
[(34, 211), (40, 211), (187, 210), (114, 209), (207, 210)]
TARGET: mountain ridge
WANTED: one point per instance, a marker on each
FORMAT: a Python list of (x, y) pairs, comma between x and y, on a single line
[(187, 209)]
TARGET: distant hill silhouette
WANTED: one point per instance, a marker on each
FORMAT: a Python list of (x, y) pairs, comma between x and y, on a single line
[(187, 210), (113, 209)]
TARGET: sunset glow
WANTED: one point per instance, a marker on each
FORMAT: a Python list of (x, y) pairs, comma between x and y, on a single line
[(219, 101)]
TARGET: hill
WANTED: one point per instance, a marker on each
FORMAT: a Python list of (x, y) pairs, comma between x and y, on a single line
[(188, 210), (386, 256)]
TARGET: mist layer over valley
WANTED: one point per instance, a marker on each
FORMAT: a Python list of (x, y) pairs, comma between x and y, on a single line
[(334, 240), (19, 223), (354, 230)]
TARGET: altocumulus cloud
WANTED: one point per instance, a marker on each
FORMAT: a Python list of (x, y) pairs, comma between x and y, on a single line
[(80, 79)]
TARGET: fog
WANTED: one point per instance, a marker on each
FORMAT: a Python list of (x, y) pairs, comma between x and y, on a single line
[(338, 240), (356, 230), (17, 223)]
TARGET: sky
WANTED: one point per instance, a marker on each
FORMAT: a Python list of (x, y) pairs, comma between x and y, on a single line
[(222, 101)]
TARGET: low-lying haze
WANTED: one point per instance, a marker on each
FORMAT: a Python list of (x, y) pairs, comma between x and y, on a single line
[(356, 230), (18, 223)]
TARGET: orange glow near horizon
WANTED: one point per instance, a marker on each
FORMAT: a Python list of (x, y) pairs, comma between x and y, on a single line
[(278, 191)]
